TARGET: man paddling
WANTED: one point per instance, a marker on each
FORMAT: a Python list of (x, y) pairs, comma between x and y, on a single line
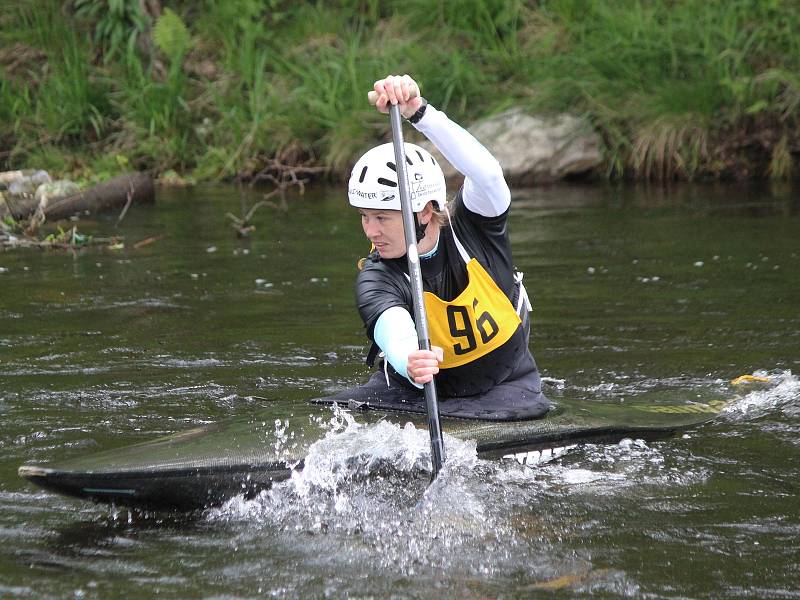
[(476, 304)]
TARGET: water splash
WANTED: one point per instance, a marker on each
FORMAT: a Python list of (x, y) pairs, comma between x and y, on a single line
[(365, 490), (282, 439), (781, 393), (351, 455)]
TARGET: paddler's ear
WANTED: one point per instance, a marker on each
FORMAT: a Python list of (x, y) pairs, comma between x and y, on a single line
[(426, 214)]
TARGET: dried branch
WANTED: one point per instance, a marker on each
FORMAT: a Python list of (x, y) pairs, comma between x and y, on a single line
[(127, 205), (285, 176)]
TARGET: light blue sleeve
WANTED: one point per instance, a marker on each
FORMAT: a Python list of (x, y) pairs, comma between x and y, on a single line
[(396, 335)]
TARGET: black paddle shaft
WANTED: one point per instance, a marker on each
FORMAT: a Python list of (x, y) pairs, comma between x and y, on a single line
[(415, 273)]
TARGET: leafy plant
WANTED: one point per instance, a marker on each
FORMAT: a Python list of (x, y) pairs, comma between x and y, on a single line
[(69, 237), (171, 35), (117, 24), (10, 224)]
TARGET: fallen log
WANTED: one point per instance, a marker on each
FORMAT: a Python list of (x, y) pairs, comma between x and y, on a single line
[(132, 188)]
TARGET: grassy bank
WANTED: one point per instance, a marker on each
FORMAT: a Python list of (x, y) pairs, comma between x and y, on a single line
[(683, 89)]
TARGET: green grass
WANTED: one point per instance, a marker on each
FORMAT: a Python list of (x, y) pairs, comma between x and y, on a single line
[(684, 89)]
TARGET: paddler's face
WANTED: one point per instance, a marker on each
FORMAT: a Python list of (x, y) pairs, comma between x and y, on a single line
[(384, 228)]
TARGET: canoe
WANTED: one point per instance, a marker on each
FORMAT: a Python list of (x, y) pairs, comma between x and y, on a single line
[(205, 466)]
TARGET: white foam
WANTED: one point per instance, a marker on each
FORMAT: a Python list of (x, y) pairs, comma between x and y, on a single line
[(559, 384), (782, 393), (610, 469)]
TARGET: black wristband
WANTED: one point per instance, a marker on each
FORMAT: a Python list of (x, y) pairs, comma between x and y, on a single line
[(414, 119)]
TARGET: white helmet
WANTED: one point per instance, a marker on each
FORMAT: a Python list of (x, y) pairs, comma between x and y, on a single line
[(373, 182)]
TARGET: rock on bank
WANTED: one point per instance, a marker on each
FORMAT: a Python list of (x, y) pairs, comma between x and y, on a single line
[(534, 149)]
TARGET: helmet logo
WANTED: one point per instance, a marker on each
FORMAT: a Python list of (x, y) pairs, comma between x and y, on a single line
[(418, 185), (365, 195), (421, 188)]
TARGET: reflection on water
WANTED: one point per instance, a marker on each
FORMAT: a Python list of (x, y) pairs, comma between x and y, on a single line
[(634, 290)]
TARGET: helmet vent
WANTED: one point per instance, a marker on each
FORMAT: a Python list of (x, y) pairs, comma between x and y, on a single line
[(363, 174), (421, 158), (392, 166), (389, 182)]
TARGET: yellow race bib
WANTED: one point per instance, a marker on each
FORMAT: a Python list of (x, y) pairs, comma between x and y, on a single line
[(479, 320)]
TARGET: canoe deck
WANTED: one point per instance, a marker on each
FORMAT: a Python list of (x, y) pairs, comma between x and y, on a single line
[(205, 466)]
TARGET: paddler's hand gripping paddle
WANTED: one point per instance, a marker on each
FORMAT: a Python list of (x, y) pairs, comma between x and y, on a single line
[(415, 273)]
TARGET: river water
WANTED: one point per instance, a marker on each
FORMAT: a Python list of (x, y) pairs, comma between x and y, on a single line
[(634, 290)]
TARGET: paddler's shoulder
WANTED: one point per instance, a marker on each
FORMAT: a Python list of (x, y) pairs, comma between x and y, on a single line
[(375, 273)]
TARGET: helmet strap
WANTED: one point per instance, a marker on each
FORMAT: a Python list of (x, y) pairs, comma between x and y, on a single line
[(420, 229)]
